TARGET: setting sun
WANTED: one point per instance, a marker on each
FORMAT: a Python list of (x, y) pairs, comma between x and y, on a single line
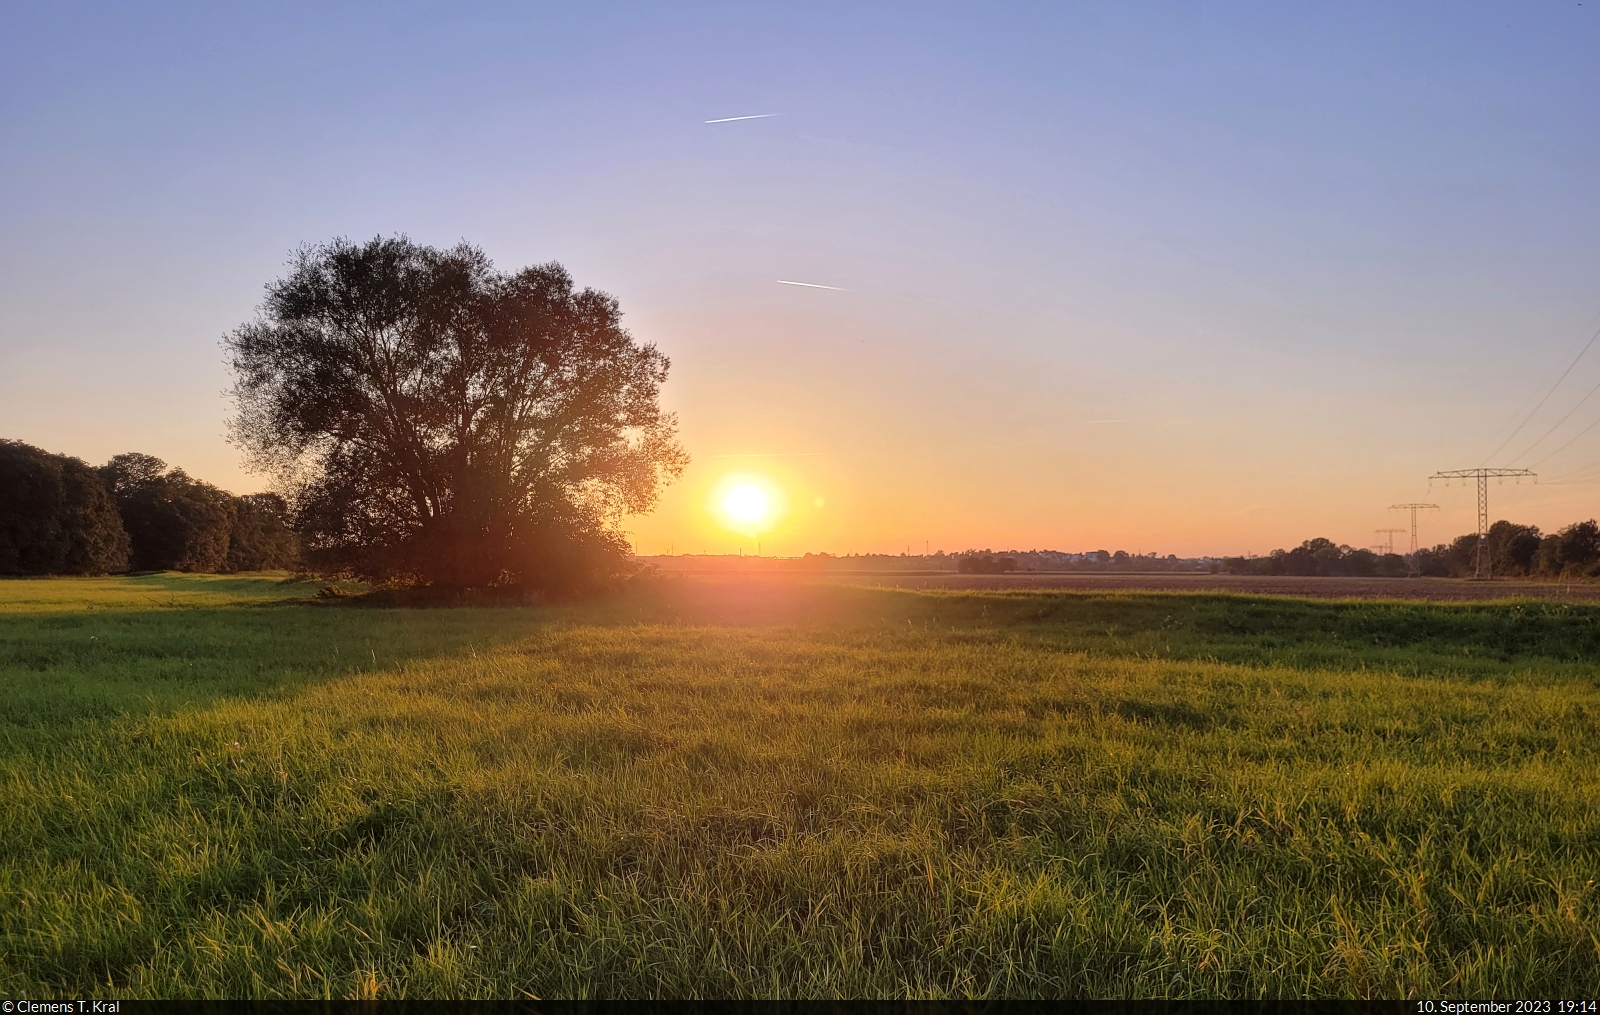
[(747, 504), (751, 505)]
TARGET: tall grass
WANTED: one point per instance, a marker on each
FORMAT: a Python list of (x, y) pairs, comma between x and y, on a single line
[(210, 788)]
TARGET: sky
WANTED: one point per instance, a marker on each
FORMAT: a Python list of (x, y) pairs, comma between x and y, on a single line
[(1193, 279)]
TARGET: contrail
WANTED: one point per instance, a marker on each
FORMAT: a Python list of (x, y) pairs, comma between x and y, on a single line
[(812, 285), (730, 119)]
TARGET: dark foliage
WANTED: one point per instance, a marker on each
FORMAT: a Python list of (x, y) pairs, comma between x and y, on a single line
[(985, 563), (1320, 557), (56, 516), (261, 539), (176, 523), (1519, 551), (1513, 551), (1578, 547), (442, 423), (1455, 559)]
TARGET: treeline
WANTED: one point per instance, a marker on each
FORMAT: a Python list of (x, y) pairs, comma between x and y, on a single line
[(1008, 561), (59, 515), (1513, 551), (990, 562), (973, 562), (1122, 560), (1321, 557), (1520, 551)]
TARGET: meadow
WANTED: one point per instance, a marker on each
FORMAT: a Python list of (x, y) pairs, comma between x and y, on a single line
[(225, 787)]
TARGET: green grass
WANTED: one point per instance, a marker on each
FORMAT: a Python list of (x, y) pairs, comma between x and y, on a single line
[(214, 787)]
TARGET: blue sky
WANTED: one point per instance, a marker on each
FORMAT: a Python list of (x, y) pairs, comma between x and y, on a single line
[(1150, 275)]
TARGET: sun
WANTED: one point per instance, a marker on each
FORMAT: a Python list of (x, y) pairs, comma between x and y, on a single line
[(748, 504)]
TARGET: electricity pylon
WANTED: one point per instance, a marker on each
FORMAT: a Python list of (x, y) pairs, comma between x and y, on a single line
[(1484, 567), (1388, 540), (1413, 508)]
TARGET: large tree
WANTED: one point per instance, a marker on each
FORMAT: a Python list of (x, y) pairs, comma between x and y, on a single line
[(437, 421)]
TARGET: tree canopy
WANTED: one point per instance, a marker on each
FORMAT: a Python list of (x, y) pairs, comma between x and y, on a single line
[(437, 421), (261, 539), (56, 516), (176, 523)]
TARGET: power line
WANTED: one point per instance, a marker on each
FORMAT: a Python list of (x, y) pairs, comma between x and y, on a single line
[(1567, 445), (1560, 421), (1569, 473), (1529, 417), (1484, 565), (1582, 474)]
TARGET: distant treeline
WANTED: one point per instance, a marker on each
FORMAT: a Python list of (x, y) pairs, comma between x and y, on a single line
[(1321, 557), (1514, 551), (992, 562), (59, 515), (989, 561)]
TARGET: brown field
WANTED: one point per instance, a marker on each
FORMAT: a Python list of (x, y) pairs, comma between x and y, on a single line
[(1418, 589)]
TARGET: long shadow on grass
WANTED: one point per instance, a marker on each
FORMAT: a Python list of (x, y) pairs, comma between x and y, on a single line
[(61, 664), (57, 666)]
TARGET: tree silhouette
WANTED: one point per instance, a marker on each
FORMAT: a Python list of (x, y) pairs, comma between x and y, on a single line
[(439, 422)]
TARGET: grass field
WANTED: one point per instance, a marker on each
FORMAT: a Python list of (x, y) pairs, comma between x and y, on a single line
[(214, 787)]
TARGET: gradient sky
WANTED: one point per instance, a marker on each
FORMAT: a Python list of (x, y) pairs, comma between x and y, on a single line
[(1177, 277)]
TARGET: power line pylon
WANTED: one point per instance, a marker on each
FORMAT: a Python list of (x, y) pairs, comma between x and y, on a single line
[(1388, 538), (1413, 508), (1483, 568)]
